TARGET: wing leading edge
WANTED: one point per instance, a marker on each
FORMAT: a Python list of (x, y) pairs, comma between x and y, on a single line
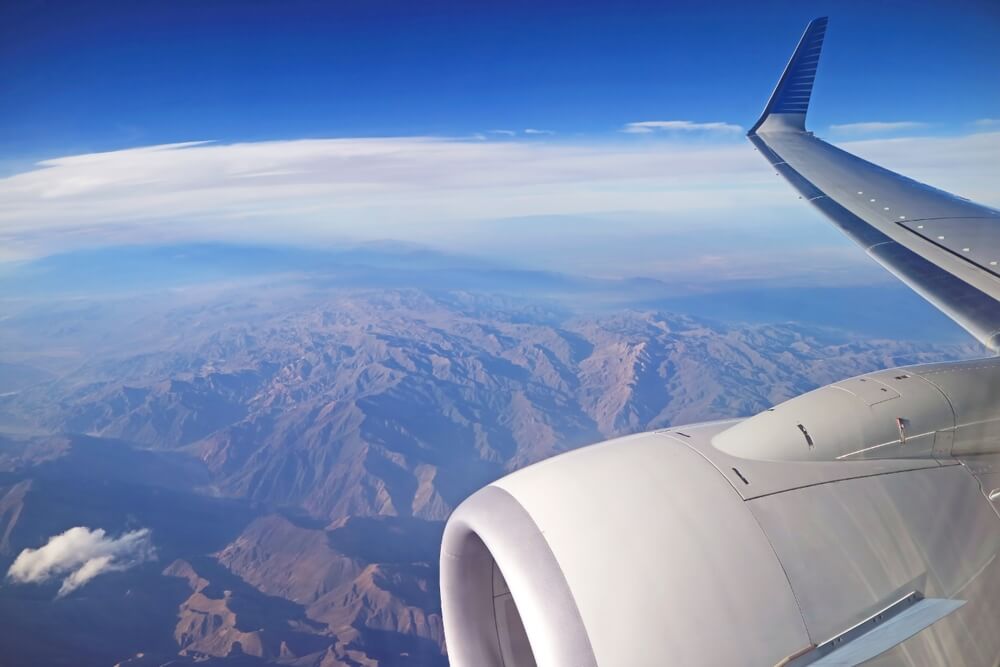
[(946, 248)]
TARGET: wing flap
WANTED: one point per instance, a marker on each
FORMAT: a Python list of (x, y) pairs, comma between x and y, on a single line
[(975, 240), (874, 636)]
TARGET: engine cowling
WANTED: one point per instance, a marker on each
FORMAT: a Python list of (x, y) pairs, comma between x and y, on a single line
[(666, 548), (917, 411), (597, 543)]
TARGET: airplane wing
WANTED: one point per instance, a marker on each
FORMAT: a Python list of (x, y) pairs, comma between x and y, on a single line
[(857, 521), (945, 247)]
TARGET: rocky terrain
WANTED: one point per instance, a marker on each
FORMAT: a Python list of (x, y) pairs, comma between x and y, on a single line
[(295, 451)]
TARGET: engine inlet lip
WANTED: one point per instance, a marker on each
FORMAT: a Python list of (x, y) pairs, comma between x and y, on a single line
[(489, 527)]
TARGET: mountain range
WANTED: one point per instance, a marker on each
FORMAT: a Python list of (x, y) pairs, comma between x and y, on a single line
[(294, 447)]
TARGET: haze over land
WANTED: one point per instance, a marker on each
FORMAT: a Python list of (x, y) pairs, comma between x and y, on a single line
[(292, 428)]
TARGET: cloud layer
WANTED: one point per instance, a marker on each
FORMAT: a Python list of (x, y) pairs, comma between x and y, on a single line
[(80, 554), (428, 190), (876, 127), (314, 189), (647, 126)]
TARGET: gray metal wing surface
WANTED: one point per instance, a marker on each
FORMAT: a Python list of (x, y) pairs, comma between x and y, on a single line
[(945, 247)]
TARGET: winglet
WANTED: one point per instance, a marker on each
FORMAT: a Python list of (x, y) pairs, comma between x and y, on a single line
[(790, 100)]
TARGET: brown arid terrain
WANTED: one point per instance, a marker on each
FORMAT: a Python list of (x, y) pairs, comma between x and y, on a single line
[(295, 452)]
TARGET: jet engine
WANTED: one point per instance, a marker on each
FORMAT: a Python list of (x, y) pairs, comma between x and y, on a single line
[(853, 522)]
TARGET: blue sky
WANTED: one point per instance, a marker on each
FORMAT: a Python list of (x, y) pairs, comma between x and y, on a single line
[(596, 138), (88, 76)]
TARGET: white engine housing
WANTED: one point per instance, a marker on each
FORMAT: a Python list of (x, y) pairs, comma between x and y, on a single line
[(739, 543)]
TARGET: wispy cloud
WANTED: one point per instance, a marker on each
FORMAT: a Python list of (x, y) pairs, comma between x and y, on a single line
[(315, 189), (80, 554), (647, 126), (527, 131), (421, 189), (986, 122), (876, 127)]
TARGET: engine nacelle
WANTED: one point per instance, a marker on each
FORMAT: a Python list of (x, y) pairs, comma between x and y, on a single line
[(927, 410), (688, 547), (630, 552)]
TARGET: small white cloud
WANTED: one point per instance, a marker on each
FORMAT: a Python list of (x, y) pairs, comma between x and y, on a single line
[(532, 130), (647, 126), (88, 571), (986, 122), (874, 127), (80, 554), (506, 133)]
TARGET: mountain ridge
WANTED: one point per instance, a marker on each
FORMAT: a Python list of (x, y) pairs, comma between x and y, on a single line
[(295, 458)]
